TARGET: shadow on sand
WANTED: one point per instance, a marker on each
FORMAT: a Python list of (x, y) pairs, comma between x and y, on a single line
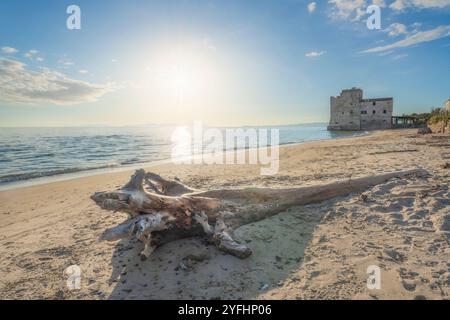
[(192, 269)]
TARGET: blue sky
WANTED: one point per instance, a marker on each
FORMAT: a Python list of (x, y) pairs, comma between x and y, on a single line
[(220, 62)]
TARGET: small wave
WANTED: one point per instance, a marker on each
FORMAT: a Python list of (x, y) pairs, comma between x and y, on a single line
[(13, 149), (131, 161), (33, 175), (39, 155), (96, 156)]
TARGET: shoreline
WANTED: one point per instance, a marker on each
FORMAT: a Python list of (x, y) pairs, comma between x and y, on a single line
[(23, 183), (317, 251)]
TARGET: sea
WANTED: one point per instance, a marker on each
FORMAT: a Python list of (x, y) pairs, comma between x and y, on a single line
[(35, 155)]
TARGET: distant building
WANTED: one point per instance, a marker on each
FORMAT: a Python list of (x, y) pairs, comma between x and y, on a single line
[(350, 111)]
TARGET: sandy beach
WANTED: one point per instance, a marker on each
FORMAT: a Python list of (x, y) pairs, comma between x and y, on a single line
[(318, 251)]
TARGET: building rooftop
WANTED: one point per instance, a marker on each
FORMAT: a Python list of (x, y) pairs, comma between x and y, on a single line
[(377, 99)]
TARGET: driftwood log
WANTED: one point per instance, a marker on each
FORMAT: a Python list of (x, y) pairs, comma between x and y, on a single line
[(163, 210)]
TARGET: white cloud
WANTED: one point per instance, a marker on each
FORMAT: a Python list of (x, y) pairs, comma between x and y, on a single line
[(31, 53), (65, 63), (416, 38), (398, 5), (353, 10), (82, 71), (19, 84), (420, 4), (9, 50), (312, 7), (385, 53), (396, 29), (314, 54), (379, 3), (347, 9)]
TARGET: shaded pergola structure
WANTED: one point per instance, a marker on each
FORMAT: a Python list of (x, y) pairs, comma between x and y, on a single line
[(403, 122)]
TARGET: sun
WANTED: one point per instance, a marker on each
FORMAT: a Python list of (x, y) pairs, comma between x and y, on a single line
[(179, 79), (182, 76)]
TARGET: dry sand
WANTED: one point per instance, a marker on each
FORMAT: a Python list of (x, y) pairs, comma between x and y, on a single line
[(319, 251)]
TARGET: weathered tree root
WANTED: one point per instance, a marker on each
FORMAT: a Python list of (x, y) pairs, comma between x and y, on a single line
[(164, 210)]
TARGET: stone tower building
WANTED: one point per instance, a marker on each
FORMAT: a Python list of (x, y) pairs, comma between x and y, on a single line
[(350, 111)]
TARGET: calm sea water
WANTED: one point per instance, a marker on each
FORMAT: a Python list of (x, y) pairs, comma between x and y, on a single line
[(29, 153)]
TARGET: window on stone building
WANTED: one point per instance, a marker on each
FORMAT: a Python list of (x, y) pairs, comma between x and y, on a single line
[(374, 103), (364, 112), (374, 112), (384, 111)]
